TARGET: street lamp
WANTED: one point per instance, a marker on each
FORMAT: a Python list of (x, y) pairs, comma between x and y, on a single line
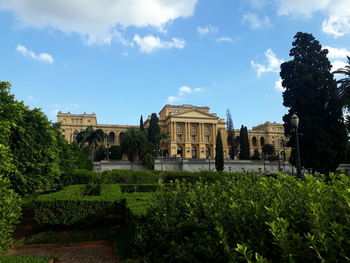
[(209, 163), (294, 121)]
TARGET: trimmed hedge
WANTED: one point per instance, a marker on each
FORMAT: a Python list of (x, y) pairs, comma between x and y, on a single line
[(79, 176), (129, 177), (138, 188), (71, 207)]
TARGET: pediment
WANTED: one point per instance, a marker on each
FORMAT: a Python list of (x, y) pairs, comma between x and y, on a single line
[(194, 114)]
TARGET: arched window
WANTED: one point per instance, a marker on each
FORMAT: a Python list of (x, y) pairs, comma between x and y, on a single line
[(262, 141), (194, 152), (254, 141), (111, 137), (120, 137)]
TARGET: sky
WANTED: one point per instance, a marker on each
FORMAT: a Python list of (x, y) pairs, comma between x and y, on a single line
[(125, 58)]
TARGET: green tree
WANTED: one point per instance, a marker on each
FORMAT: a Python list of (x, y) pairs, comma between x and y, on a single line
[(311, 93), (148, 161), (256, 155), (344, 84), (116, 152), (92, 138), (154, 135), (142, 128), (268, 151), (230, 135), (133, 143), (244, 143), (219, 153)]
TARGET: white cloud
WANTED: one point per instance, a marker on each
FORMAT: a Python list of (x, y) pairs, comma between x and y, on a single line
[(278, 85), (336, 53), (43, 57), (149, 44), (338, 64), (184, 90), (206, 30), (273, 64), (337, 22), (256, 22), (226, 39), (96, 20)]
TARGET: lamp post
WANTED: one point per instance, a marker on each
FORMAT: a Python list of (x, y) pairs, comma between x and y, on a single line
[(209, 163), (107, 150), (294, 121)]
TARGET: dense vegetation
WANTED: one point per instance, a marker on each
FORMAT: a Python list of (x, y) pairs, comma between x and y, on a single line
[(35, 154), (249, 218), (311, 93)]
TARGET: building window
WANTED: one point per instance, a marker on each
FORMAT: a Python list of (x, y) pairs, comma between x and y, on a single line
[(193, 138), (179, 137), (262, 141), (178, 127), (193, 127), (207, 128), (179, 151), (254, 141), (194, 152), (207, 138), (207, 152)]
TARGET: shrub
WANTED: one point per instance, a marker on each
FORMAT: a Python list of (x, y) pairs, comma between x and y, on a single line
[(9, 211), (148, 161), (138, 188), (116, 152), (129, 177), (249, 218), (71, 207), (78, 177)]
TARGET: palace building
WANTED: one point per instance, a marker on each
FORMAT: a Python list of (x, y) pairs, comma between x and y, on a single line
[(191, 132)]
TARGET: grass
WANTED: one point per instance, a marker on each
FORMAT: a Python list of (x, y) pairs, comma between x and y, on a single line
[(24, 259)]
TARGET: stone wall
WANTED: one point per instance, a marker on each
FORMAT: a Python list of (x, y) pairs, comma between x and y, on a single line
[(198, 165)]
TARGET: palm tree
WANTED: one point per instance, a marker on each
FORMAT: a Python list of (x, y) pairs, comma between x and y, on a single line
[(92, 138), (133, 143), (344, 87)]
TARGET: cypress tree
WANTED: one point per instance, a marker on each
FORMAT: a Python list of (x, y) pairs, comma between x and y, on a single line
[(142, 128), (230, 135), (219, 153), (154, 131), (244, 143), (311, 93)]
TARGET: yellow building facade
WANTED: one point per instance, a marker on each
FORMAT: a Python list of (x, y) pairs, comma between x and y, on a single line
[(191, 132)]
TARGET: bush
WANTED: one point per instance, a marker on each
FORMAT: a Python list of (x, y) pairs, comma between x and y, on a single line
[(148, 161), (71, 207), (116, 152), (249, 218), (129, 177), (138, 188), (79, 177), (9, 211)]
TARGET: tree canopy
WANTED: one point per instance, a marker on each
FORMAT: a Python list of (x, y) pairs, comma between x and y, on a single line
[(230, 135), (311, 93), (219, 153), (244, 143)]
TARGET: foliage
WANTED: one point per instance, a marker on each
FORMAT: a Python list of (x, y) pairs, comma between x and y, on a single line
[(153, 131), (240, 218), (219, 153), (311, 93), (133, 143), (71, 207), (244, 144), (129, 177), (256, 155), (138, 188), (148, 161), (116, 152), (344, 84), (92, 138), (142, 127), (231, 135), (100, 153), (10, 212), (78, 176)]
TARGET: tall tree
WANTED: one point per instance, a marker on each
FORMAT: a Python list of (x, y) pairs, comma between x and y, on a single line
[(92, 138), (142, 128), (219, 153), (154, 135), (230, 135), (244, 143), (344, 84), (311, 93), (133, 143)]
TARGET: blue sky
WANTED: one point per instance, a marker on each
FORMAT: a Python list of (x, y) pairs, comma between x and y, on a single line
[(124, 58)]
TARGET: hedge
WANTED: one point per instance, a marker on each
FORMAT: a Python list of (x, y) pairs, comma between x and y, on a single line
[(71, 207), (129, 177), (138, 188)]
